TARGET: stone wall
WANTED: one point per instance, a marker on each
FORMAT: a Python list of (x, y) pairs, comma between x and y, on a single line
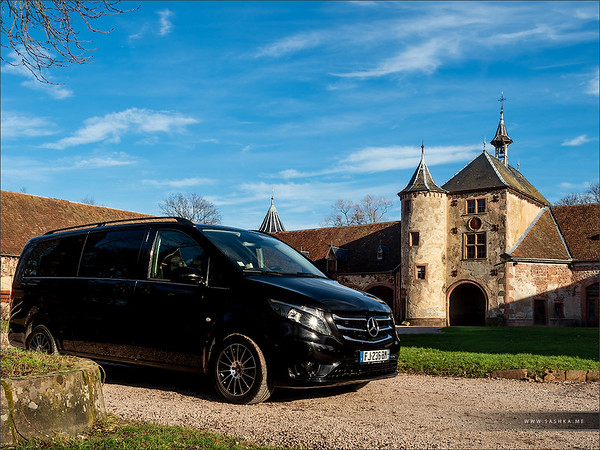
[(553, 284), (8, 265)]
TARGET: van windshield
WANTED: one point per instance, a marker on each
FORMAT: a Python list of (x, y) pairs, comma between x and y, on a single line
[(255, 252)]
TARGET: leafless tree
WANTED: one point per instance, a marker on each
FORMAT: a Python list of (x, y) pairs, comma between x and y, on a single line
[(590, 195), (88, 200), (193, 207), (370, 210), (46, 33)]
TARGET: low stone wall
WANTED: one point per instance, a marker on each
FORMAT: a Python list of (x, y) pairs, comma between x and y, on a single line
[(590, 376), (60, 403)]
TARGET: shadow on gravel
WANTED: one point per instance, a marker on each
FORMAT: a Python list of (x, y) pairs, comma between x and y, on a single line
[(197, 385)]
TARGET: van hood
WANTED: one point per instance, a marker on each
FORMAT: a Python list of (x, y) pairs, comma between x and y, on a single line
[(326, 293)]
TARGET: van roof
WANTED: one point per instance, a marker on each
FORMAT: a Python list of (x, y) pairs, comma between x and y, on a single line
[(122, 222)]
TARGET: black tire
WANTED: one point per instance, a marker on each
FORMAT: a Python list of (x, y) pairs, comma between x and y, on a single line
[(41, 340), (239, 371)]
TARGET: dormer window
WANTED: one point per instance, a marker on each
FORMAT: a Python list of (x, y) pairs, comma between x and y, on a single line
[(476, 205)]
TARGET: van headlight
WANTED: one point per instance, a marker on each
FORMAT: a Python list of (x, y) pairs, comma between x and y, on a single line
[(312, 318)]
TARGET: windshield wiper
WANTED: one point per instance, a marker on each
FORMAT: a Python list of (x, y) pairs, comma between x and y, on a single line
[(263, 272)]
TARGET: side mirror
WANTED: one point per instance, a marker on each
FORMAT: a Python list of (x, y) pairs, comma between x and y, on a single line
[(187, 275)]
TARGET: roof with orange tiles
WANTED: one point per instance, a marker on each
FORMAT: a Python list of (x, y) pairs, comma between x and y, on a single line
[(24, 216), (580, 226), (359, 245), (562, 233)]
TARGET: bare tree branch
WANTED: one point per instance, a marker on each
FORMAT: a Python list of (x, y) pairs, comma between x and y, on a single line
[(193, 207), (45, 33), (591, 195), (369, 210)]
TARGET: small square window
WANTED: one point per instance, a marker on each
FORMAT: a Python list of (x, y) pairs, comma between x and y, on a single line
[(421, 272), (475, 246), (559, 310), (414, 238), (476, 206)]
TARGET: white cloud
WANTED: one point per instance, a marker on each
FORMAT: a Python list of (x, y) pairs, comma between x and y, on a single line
[(113, 126), (291, 44), (178, 183), (593, 86), (165, 21), (425, 57), (56, 91), (396, 157), (575, 142), (100, 162), (19, 168), (15, 125)]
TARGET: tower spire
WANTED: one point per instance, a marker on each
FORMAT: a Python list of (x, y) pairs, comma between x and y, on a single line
[(421, 179), (501, 140), (272, 223)]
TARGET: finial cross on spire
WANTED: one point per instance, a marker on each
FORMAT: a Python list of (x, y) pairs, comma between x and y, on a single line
[(502, 99)]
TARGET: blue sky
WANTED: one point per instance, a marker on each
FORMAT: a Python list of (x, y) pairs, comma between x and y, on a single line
[(318, 101)]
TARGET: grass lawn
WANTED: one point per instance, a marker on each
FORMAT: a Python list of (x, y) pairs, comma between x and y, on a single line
[(116, 433), (477, 351)]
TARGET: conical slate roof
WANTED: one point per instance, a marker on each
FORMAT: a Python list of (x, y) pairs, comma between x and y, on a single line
[(421, 179), (488, 172), (272, 222)]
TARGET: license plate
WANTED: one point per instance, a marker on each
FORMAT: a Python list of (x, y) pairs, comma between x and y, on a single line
[(372, 356)]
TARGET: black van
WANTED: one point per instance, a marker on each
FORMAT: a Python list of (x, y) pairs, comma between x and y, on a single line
[(239, 305)]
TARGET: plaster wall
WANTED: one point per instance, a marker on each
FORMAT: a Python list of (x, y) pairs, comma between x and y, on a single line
[(425, 298), (520, 212)]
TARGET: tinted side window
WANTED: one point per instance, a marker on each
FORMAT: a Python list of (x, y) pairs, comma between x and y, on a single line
[(112, 254), (54, 258), (174, 250)]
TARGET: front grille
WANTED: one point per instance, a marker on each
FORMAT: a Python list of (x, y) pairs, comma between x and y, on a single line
[(357, 370), (355, 328)]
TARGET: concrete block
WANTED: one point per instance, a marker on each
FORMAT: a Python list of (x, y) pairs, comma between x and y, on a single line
[(575, 375), (513, 374), (592, 376), (554, 375), (60, 403)]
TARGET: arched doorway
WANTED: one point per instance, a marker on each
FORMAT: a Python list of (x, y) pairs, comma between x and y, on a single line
[(384, 293), (467, 305)]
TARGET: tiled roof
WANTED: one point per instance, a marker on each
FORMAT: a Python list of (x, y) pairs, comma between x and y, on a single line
[(579, 225), (360, 241), (488, 172), (24, 216), (542, 240), (562, 233)]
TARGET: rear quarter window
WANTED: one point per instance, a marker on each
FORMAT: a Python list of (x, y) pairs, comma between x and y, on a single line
[(112, 254), (54, 258)]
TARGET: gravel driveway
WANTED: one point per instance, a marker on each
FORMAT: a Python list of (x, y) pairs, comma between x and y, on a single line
[(409, 411)]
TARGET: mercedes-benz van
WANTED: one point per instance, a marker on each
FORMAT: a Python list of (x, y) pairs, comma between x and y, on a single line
[(241, 306)]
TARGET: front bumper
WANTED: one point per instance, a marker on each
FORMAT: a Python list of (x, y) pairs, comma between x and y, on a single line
[(305, 359)]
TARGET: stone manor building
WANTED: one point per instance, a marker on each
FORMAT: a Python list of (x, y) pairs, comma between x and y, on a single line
[(484, 248)]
